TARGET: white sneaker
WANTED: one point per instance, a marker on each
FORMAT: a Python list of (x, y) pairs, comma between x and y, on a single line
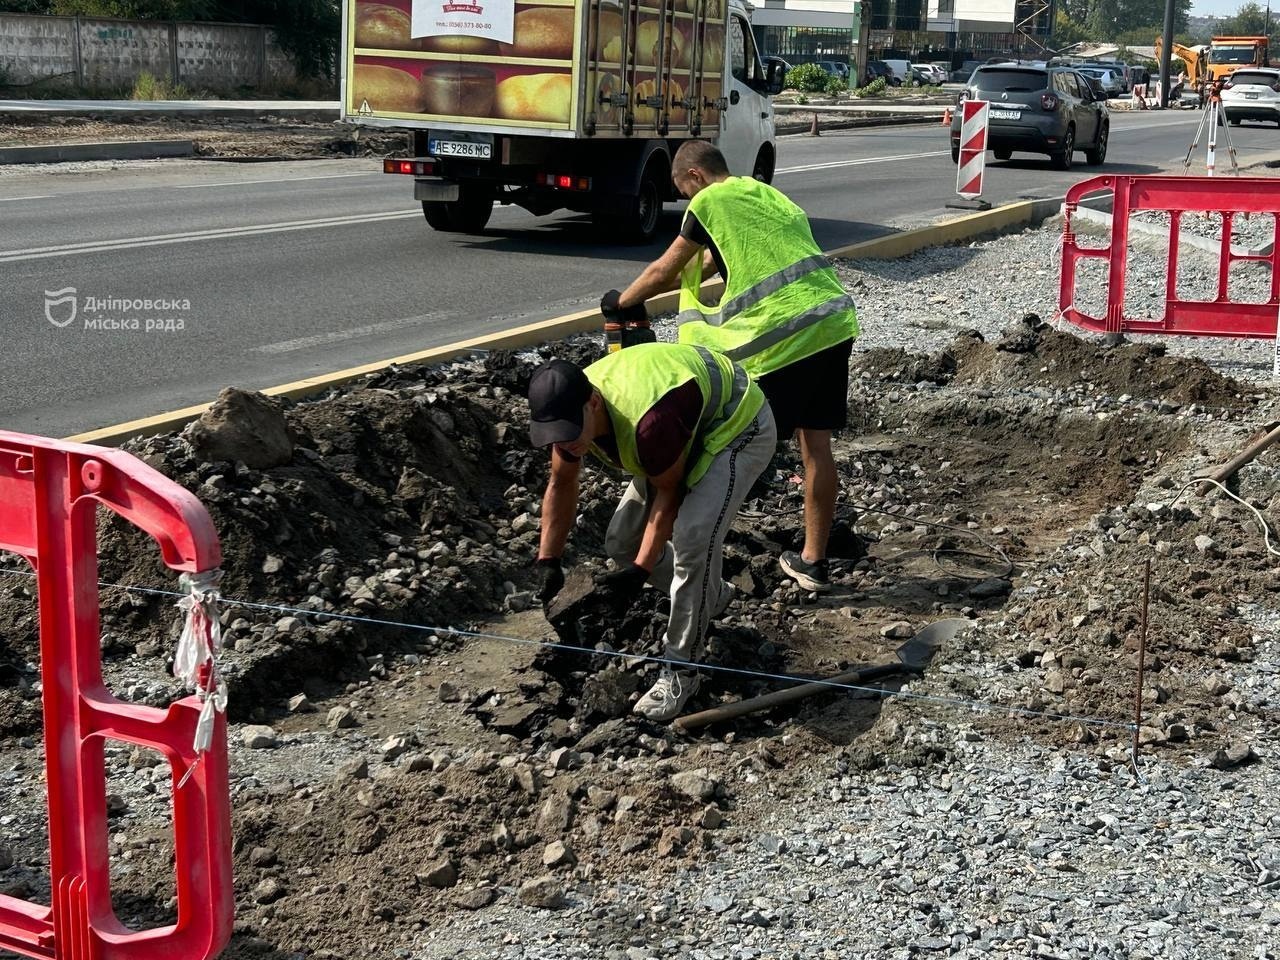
[(667, 697)]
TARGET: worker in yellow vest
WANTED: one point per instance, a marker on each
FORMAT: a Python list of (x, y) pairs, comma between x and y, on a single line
[(783, 315), (694, 432)]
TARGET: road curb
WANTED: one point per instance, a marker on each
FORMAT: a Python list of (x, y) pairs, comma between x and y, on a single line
[(122, 150), (961, 229), (856, 122), (1023, 213)]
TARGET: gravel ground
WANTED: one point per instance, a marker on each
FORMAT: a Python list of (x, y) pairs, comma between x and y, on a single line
[(1011, 851)]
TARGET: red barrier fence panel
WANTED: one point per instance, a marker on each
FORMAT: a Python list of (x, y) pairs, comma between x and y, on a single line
[(49, 495), (1219, 317)]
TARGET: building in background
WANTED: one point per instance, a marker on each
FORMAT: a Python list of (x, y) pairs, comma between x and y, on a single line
[(804, 31)]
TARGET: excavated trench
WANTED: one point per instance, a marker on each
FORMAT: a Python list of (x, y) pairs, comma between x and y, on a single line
[(413, 498)]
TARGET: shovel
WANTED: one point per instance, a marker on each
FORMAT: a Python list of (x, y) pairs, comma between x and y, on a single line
[(912, 658)]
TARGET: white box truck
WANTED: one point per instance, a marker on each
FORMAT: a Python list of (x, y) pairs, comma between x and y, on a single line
[(557, 104)]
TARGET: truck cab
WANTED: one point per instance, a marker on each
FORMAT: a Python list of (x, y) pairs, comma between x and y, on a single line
[(1229, 54)]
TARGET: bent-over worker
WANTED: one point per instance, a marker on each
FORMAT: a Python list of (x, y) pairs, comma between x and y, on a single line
[(694, 433)]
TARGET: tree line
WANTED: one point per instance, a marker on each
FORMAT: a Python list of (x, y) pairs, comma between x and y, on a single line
[(307, 30), (1139, 22)]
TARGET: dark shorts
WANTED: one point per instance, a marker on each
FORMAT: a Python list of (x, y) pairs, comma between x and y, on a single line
[(812, 393)]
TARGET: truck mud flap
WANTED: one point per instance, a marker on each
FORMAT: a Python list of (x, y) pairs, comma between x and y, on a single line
[(435, 190)]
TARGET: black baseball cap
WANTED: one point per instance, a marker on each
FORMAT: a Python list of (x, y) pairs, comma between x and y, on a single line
[(558, 391)]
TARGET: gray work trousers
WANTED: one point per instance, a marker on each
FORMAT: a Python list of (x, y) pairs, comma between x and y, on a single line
[(690, 566)]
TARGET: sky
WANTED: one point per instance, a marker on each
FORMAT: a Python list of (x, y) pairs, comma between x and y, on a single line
[(1224, 8)]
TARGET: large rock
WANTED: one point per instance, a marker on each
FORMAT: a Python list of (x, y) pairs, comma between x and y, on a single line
[(695, 784), (544, 892), (440, 874), (243, 426)]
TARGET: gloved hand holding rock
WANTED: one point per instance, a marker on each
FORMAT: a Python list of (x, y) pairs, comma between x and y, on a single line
[(619, 587), (552, 575)]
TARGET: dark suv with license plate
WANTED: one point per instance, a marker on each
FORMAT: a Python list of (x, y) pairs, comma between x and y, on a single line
[(1049, 110)]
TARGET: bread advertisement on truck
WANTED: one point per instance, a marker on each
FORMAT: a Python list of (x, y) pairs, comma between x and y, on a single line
[(557, 65)]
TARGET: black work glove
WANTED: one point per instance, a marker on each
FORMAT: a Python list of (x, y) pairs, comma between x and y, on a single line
[(614, 313), (552, 579), (619, 587)]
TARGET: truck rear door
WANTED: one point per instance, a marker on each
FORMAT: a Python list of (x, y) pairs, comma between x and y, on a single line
[(654, 68)]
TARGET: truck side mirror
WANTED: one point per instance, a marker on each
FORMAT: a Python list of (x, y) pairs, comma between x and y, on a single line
[(775, 75)]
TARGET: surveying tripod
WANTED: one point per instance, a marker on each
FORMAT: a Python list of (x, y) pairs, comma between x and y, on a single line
[(1212, 117)]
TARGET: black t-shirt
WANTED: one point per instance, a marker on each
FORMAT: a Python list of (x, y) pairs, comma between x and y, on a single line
[(693, 231)]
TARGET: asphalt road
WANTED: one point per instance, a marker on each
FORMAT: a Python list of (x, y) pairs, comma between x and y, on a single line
[(288, 270)]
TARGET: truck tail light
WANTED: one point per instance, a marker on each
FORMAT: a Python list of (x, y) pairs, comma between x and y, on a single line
[(564, 181), (412, 168), (1048, 101)]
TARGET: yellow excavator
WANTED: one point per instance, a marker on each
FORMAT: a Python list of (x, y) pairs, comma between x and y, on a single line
[(1196, 58), (1209, 63)]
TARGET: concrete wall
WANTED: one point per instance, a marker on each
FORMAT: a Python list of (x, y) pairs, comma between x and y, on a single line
[(106, 54)]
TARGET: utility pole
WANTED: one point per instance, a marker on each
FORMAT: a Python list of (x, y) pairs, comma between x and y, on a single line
[(1166, 50)]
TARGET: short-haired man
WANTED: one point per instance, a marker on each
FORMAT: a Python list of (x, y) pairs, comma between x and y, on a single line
[(783, 315), (694, 433)]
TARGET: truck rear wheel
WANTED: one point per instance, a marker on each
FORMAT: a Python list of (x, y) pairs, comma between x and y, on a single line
[(437, 214), (641, 212), (468, 214)]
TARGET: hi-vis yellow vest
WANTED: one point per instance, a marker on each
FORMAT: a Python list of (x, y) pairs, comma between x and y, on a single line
[(782, 302), (631, 381)]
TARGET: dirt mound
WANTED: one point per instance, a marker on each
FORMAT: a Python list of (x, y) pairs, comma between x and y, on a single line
[(395, 504), (1033, 354)]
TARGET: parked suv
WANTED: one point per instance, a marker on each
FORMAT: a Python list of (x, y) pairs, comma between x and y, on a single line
[(1049, 110), (1252, 94), (962, 73), (878, 68)]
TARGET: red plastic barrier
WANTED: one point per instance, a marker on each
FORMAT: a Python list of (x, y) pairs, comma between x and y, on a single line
[(1220, 317), (49, 492)]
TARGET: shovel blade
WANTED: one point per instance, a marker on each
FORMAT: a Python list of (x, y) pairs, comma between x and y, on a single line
[(919, 650)]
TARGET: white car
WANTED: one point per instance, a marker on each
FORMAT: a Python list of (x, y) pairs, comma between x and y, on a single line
[(1252, 94), (931, 72), (1111, 82)]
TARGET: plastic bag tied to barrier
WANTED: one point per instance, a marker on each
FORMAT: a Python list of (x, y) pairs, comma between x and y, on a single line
[(50, 495), (196, 660)]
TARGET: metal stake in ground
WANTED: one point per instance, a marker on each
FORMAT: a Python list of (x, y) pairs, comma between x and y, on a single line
[(1142, 662)]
